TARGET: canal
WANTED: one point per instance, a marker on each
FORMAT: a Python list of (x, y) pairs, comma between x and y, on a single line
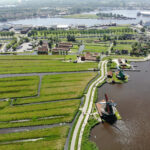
[(133, 99)]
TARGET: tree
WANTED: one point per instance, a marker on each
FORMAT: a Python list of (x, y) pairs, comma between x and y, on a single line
[(71, 38), (110, 60), (143, 30), (115, 43), (97, 58), (41, 42), (50, 44), (26, 39)]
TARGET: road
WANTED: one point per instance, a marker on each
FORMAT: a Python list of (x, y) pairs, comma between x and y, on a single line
[(87, 110)]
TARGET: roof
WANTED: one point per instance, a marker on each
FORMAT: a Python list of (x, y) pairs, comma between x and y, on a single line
[(65, 45), (91, 56), (63, 26), (109, 73), (57, 49)]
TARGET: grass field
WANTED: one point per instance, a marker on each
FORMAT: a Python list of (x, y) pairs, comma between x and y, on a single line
[(96, 47), (31, 64), (51, 139), (126, 41), (38, 114), (3, 104), (54, 87), (63, 86), (74, 49), (18, 86), (123, 47)]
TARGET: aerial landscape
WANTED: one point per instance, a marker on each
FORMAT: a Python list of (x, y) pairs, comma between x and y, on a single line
[(74, 75)]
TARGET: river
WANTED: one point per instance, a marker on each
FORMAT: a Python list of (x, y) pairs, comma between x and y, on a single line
[(133, 99), (88, 22)]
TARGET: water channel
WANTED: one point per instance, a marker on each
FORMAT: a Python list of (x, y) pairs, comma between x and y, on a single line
[(133, 99)]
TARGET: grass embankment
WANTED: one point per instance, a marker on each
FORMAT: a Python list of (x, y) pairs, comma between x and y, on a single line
[(86, 144), (53, 138), (111, 65), (18, 86), (37, 64), (63, 86), (118, 80)]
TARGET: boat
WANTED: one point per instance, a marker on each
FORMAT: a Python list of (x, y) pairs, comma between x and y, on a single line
[(107, 110)]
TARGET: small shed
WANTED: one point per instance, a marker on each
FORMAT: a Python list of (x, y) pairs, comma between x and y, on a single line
[(110, 74)]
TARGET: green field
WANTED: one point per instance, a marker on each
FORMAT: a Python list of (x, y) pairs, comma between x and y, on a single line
[(61, 92), (30, 64), (123, 47), (63, 86), (99, 48), (74, 49), (126, 41), (18, 86), (51, 139), (54, 88), (38, 114)]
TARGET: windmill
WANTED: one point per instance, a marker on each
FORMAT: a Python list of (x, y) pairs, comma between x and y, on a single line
[(109, 105), (107, 110)]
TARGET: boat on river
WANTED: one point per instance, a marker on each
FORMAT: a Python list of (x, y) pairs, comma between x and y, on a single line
[(107, 110)]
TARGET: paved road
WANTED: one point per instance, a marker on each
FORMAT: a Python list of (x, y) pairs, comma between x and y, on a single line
[(87, 110)]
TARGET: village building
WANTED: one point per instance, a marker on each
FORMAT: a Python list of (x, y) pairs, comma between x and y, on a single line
[(97, 41), (60, 51), (65, 45), (120, 61), (110, 74), (63, 27), (81, 27), (43, 50), (90, 57)]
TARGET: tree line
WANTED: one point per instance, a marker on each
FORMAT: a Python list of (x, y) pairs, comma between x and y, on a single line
[(7, 33), (35, 33)]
